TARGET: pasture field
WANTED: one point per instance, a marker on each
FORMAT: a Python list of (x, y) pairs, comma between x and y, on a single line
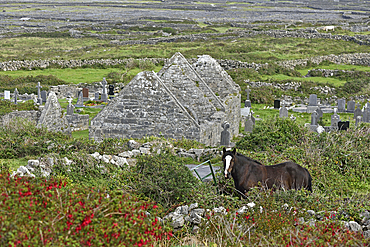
[(95, 203)]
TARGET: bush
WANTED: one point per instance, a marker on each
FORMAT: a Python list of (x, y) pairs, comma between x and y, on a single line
[(38, 212), (276, 134), (162, 178)]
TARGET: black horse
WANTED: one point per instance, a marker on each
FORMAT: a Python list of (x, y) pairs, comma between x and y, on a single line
[(248, 173)]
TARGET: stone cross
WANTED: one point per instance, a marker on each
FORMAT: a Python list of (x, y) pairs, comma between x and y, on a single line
[(16, 96), (335, 118), (104, 84), (225, 135), (69, 101), (39, 100)]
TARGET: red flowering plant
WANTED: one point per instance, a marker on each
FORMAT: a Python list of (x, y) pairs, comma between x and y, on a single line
[(36, 212)]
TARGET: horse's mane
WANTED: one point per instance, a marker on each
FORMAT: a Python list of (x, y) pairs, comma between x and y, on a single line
[(247, 158)]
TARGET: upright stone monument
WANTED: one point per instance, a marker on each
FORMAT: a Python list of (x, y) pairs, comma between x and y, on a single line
[(351, 106), (358, 111), (248, 102), (358, 120), (43, 96), (16, 94), (283, 112), (341, 105), (104, 95), (248, 126), (314, 118), (96, 98), (320, 113), (39, 100), (335, 118), (80, 102), (7, 95), (70, 107), (85, 94), (225, 135), (276, 104), (312, 103)]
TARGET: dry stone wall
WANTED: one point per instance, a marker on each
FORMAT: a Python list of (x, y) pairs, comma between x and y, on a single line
[(32, 116)]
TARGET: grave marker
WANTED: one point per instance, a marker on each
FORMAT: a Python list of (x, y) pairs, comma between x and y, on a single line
[(358, 111), (276, 104), (70, 107), (39, 100), (7, 95), (248, 126), (335, 118), (351, 106), (85, 94), (341, 105), (16, 94), (43, 96), (247, 103), (312, 103), (104, 95), (225, 135), (96, 96), (80, 102), (283, 112)]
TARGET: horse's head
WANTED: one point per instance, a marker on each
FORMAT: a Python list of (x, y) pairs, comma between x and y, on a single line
[(228, 158)]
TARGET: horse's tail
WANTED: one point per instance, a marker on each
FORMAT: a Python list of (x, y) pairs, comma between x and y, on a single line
[(309, 185)]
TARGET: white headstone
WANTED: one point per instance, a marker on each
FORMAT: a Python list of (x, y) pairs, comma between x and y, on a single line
[(7, 95)]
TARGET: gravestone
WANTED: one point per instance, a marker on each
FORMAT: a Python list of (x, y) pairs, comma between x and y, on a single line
[(312, 103), (248, 126), (80, 102), (16, 94), (341, 105), (358, 111), (312, 100), (366, 114), (39, 100), (283, 112), (276, 104), (248, 102), (7, 95), (343, 125), (314, 118), (320, 113), (351, 106), (85, 94), (104, 95), (225, 135), (70, 107), (96, 96), (43, 96), (335, 118), (358, 120), (111, 90)]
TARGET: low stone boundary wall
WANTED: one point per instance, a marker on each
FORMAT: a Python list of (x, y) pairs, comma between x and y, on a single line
[(32, 116)]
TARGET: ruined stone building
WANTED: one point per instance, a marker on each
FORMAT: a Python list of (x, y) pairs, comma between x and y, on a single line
[(180, 101)]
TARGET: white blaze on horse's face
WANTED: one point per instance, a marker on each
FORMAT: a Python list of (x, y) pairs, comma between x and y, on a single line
[(228, 159)]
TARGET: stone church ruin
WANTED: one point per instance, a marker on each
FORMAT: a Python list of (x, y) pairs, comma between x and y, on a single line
[(180, 101)]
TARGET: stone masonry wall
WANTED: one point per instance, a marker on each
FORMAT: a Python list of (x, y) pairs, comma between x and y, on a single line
[(32, 116), (78, 121), (144, 107)]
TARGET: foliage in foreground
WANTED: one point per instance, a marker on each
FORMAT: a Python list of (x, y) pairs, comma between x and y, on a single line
[(39, 212)]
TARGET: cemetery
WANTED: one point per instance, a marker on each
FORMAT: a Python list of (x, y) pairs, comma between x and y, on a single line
[(114, 118)]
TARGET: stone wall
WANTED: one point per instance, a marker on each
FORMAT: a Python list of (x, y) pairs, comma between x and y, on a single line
[(32, 116), (78, 121), (145, 107)]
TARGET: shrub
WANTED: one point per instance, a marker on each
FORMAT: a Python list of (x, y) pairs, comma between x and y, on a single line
[(162, 178), (276, 134), (37, 212)]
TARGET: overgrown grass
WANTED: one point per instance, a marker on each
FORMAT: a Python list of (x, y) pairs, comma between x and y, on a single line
[(259, 49)]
